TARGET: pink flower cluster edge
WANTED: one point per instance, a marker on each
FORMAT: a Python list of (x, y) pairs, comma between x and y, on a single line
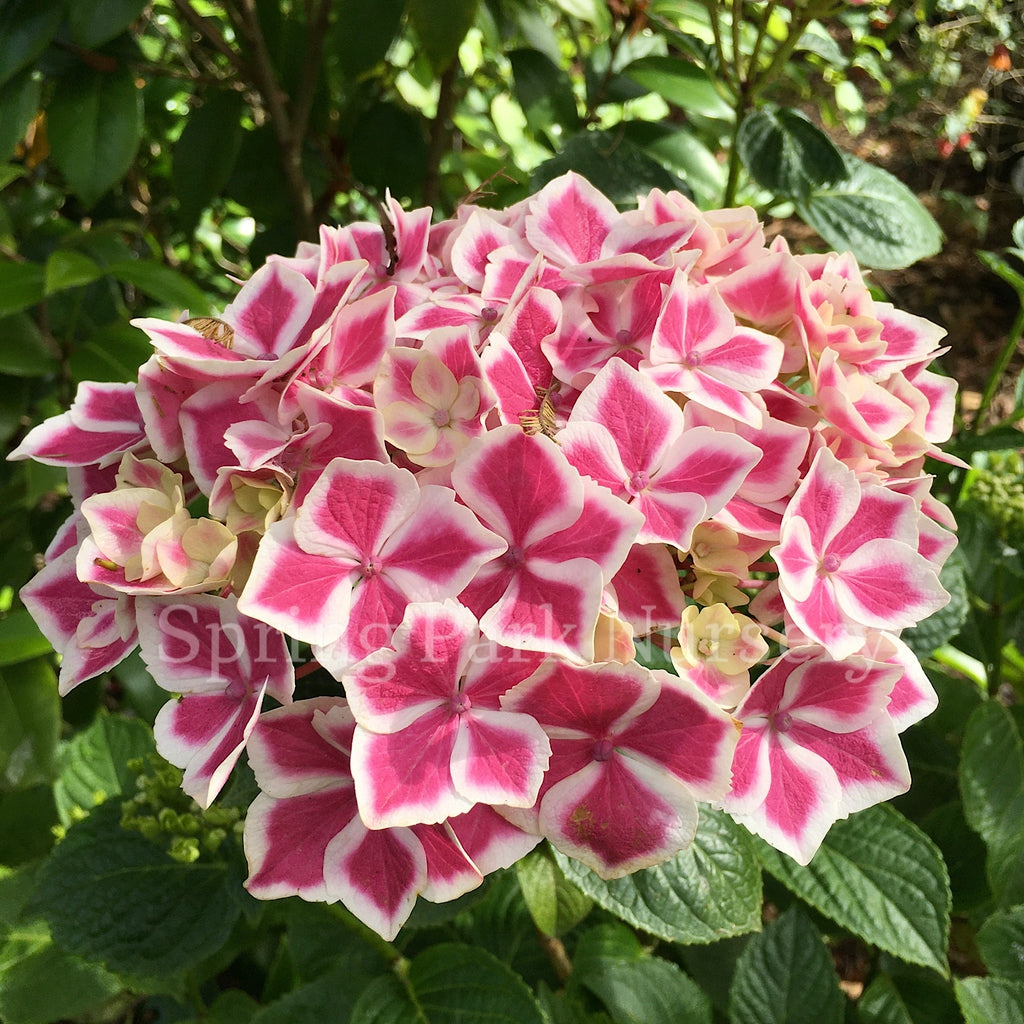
[(470, 469)]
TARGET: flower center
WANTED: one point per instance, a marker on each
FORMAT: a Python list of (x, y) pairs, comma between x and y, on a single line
[(603, 750), (830, 563), (369, 569), (442, 417), (623, 337), (459, 703), (637, 483), (488, 314), (514, 557)]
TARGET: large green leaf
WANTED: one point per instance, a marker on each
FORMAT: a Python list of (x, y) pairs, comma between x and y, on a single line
[(23, 350), (113, 896), (543, 91), (47, 984), (1000, 942), (26, 28), (882, 878), (20, 638), (634, 987), (990, 1000), (21, 286), (786, 974), (19, 101), (441, 28), (681, 83), (162, 283), (30, 723), (206, 152), (445, 984), (873, 215), (881, 1003), (362, 33), (706, 893), (787, 154), (27, 820), (682, 152), (94, 22), (94, 764), (113, 352), (331, 996), (95, 126), (382, 132), (66, 268)]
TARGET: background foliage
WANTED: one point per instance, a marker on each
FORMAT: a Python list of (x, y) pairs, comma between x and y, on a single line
[(152, 150)]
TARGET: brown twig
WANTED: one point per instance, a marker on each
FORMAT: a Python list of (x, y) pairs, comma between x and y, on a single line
[(440, 134), (209, 31)]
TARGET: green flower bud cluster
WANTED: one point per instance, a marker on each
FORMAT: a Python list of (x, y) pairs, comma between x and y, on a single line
[(171, 819), (997, 492)]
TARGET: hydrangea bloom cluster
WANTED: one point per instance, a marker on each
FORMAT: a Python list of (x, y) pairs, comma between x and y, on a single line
[(469, 469)]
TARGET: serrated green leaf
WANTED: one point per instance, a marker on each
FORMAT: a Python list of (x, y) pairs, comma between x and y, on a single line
[(682, 83), (990, 1000), (95, 125), (1000, 942), (94, 764), (879, 876), (682, 152), (611, 163), (19, 102), (162, 283), (706, 893), (94, 22), (20, 638), (787, 154), (543, 90), (66, 268), (441, 28), (992, 774), (232, 1006), (206, 152), (446, 983), (635, 988), (362, 33), (1005, 870), (30, 723), (332, 996), (48, 985), (113, 896), (21, 286), (874, 216), (28, 27), (786, 974)]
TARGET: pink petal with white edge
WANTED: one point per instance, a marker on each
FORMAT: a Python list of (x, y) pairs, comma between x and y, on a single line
[(618, 816), (376, 874), (270, 310), (913, 697), (450, 870), (306, 596), (489, 840), (647, 589), (569, 220)]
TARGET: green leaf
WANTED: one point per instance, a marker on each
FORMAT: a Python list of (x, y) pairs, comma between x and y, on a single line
[(28, 27), (66, 268), (681, 83), (19, 102), (162, 283), (611, 163), (555, 904), (232, 1006), (1000, 942), (362, 33), (20, 638), (873, 215), (992, 774), (447, 983), (21, 286), (111, 353), (95, 125), (787, 154), (990, 1000), (706, 893), (635, 988), (29, 723), (332, 996), (27, 818), (48, 984), (113, 896), (879, 876), (206, 152), (543, 91), (441, 28), (94, 22), (384, 130), (23, 352), (94, 764), (881, 1003), (683, 153), (786, 974)]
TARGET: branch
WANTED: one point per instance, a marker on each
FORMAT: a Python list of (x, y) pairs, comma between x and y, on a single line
[(209, 31), (440, 134)]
